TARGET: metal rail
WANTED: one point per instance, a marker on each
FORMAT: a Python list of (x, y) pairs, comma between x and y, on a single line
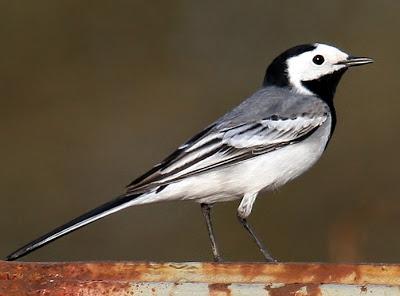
[(140, 278)]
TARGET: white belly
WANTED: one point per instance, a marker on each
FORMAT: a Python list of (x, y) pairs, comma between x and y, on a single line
[(264, 172)]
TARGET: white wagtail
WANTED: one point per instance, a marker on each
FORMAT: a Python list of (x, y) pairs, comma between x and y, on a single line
[(270, 138)]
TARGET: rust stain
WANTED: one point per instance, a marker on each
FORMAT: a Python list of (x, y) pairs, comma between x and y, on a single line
[(316, 273), (314, 290), (288, 273), (247, 271), (62, 288), (287, 290), (294, 290), (250, 271), (218, 289), (70, 271)]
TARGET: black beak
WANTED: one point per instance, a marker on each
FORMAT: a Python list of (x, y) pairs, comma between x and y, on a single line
[(355, 61)]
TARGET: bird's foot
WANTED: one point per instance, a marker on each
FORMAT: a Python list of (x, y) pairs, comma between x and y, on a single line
[(270, 259), (218, 259)]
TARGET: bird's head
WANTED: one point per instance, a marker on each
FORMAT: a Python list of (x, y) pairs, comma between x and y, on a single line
[(313, 69)]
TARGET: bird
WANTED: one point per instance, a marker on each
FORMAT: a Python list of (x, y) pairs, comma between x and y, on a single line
[(270, 138)]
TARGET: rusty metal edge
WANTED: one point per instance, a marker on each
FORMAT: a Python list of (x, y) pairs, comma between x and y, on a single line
[(285, 273), (10, 288)]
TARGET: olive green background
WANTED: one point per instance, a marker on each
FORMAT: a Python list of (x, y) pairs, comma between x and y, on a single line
[(93, 93)]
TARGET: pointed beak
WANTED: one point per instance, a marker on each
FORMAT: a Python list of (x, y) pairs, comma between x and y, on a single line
[(355, 61)]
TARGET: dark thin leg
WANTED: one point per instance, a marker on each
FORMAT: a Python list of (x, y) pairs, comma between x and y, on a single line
[(260, 245), (206, 208)]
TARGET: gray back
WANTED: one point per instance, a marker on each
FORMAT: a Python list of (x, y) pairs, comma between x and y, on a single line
[(270, 101)]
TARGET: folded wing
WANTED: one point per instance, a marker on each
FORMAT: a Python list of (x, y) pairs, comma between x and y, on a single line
[(215, 148)]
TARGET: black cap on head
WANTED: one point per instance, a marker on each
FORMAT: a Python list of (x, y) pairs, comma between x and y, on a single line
[(276, 73)]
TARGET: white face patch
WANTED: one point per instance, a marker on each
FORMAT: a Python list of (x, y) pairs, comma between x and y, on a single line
[(303, 68)]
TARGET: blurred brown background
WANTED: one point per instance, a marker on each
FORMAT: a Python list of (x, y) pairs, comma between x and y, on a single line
[(93, 93)]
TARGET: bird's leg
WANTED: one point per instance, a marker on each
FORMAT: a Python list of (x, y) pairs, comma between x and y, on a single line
[(260, 245), (206, 209)]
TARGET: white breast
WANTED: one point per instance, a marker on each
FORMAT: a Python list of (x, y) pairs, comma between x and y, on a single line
[(277, 168)]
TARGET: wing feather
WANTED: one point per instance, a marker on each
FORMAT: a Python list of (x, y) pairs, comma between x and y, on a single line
[(216, 148)]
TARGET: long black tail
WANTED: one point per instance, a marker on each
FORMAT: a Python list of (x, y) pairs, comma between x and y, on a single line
[(106, 209)]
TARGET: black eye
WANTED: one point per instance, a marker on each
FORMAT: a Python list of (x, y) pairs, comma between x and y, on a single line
[(318, 59)]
